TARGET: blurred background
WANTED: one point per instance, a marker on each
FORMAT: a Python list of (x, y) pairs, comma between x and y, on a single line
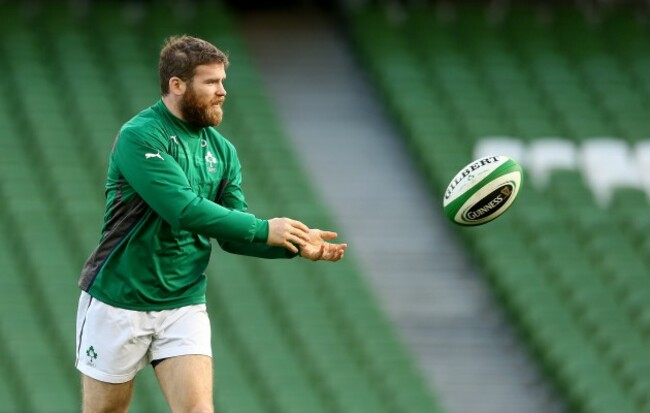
[(354, 115)]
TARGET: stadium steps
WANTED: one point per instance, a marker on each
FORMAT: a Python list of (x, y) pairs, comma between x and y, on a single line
[(591, 260), (590, 324), (328, 298), (289, 336), (435, 151), (436, 314)]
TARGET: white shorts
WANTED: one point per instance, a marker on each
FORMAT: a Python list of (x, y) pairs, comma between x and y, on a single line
[(113, 344)]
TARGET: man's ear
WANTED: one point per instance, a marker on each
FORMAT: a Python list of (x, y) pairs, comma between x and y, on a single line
[(177, 86)]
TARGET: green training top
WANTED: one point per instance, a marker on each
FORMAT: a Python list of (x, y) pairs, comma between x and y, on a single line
[(171, 187)]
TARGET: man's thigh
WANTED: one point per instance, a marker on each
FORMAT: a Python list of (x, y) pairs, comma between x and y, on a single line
[(101, 397), (181, 331), (112, 343), (186, 382)]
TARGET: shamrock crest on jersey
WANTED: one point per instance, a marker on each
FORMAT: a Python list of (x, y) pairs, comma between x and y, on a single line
[(210, 160)]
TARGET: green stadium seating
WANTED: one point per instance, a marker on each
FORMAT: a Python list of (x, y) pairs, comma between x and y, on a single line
[(355, 363), (572, 273), (289, 336), (294, 337)]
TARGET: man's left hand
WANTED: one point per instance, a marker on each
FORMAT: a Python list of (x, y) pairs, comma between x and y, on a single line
[(318, 249)]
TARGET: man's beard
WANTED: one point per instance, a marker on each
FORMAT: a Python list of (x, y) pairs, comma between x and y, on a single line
[(198, 113)]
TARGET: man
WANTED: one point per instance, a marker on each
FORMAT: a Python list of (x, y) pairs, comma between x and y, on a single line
[(173, 184)]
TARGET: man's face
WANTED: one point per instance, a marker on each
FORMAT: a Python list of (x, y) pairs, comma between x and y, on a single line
[(205, 93)]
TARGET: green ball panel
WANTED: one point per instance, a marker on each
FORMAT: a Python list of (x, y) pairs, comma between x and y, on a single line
[(509, 166)]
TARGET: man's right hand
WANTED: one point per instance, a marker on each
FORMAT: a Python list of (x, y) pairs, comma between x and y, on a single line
[(287, 233)]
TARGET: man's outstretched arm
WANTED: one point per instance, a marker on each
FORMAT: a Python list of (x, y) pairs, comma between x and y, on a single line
[(161, 183)]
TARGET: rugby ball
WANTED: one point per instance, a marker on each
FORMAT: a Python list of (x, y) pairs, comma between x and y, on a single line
[(483, 190)]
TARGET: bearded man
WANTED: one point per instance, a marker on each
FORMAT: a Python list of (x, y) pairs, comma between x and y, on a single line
[(173, 183)]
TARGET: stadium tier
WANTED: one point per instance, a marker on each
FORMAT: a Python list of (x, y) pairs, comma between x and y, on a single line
[(570, 259), (288, 336)]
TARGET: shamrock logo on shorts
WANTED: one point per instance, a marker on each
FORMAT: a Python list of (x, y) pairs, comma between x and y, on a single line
[(92, 355)]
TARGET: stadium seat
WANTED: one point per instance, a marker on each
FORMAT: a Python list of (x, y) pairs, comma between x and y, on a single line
[(546, 154), (496, 145), (607, 163), (641, 150)]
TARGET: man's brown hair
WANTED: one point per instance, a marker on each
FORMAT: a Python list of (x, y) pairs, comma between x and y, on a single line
[(180, 55)]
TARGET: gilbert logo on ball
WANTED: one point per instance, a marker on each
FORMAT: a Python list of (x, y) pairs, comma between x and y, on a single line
[(483, 190)]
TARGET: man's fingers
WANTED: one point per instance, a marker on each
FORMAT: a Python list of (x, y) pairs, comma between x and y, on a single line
[(320, 253), (296, 239), (334, 252), (300, 231), (288, 245), (301, 237), (340, 247), (340, 252), (335, 256), (297, 232), (297, 224), (328, 235)]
